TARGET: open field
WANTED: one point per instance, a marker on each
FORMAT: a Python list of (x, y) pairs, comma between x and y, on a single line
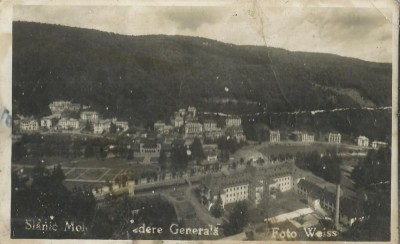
[(91, 170)]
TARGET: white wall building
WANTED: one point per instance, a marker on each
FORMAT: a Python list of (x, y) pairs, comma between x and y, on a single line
[(274, 136), (363, 141), (334, 138), (102, 126), (378, 144), (233, 121), (193, 128), (68, 123), (209, 125), (89, 115), (29, 124)]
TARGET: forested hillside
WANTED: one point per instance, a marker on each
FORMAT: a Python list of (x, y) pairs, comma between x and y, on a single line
[(145, 78)]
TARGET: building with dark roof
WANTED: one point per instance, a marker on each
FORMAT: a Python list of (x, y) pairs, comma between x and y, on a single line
[(350, 210), (249, 184)]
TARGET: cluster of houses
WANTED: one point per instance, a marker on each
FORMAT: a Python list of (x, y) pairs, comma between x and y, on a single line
[(60, 120), (184, 127), (188, 121)]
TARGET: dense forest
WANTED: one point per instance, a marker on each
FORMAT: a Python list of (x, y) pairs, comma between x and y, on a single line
[(146, 78)]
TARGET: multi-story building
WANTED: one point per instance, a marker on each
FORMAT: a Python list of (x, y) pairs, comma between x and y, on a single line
[(182, 112), (350, 210), (274, 136), (303, 136), (177, 121), (192, 111), (211, 152), (232, 188), (89, 115), (150, 148), (123, 124), (378, 144), (61, 106), (251, 184), (214, 134), (49, 121), (209, 125), (233, 121), (271, 179), (363, 141), (101, 126), (193, 129), (29, 124), (159, 126), (334, 138), (236, 132), (66, 124)]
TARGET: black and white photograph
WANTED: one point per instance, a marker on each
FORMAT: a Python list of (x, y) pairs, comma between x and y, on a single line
[(204, 121)]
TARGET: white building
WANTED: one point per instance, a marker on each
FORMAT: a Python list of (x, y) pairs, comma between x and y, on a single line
[(192, 111), (363, 141), (214, 134), (68, 123), (60, 106), (249, 184), (123, 124), (334, 138), (303, 136), (307, 137), (178, 121), (159, 126), (211, 151), (46, 122), (89, 115), (233, 121), (209, 125), (378, 144), (102, 126), (193, 128), (274, 136), (29, 124)]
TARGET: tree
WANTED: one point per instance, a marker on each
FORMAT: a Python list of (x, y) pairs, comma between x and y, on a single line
[(58, 174), (217, 209), (197, 149), (162, 160), (113, 128), (88, 126), (179, 157), (238, 218), (89, 150)]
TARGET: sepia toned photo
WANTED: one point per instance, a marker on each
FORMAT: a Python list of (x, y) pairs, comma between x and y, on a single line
[(225, 121)]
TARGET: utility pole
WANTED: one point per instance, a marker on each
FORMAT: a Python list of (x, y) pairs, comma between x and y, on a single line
[(337, 208)]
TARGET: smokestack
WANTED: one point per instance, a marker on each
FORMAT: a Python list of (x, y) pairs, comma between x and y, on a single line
[(337, 206)]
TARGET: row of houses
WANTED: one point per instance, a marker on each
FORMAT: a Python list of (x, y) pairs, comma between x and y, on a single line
[(249, 184), (65, 123), (274, 136)]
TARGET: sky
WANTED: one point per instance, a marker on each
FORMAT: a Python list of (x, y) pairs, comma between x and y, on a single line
[(364, 33)]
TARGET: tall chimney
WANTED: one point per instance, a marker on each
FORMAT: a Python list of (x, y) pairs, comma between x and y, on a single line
[(337, 206)]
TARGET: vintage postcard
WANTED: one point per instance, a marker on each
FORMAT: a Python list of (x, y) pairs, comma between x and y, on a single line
[(220, 121)]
